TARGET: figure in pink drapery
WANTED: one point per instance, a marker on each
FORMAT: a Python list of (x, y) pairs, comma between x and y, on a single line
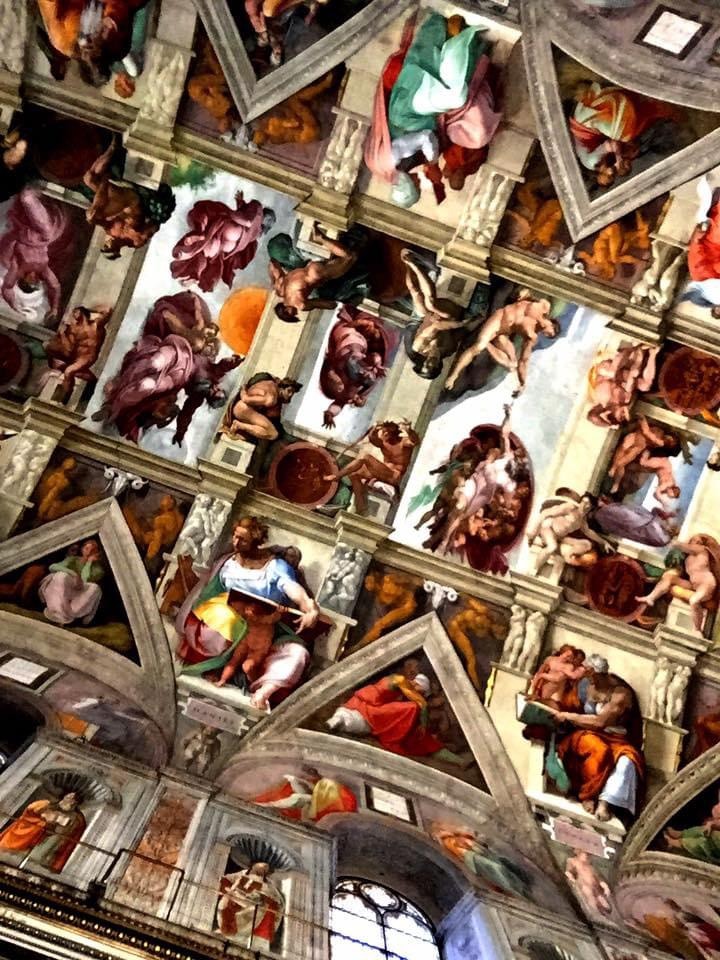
[(34, 225), (220, 241)]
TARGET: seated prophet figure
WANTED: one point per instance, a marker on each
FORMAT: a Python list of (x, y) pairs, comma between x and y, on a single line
[(704, 253), (35, 225), (71, 590), (96, 33), (433, 105), (602, 753), (226, 611), (606, 127), (220, 241)]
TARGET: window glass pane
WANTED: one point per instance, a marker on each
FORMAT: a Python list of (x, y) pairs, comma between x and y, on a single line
[(409, 947), (343, 949), (365, 930), (352, 903), (407, 923), (380, 896)]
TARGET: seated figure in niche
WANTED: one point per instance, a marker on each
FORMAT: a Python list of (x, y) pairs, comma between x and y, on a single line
[(595, 738), (220, 241), (55, 495), (434, 105), (208, 87), (229, 610), (101, 35), (294, 120), (610, 128), (700, 843), (158, 532), (394, 712), (29, 253), (71, 590)]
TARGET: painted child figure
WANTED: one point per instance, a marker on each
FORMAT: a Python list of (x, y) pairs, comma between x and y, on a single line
[(551, 681), (251, 651)]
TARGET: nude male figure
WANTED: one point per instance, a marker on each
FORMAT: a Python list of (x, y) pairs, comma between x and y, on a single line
[(295, 287), (633, 447), (396, 443), (438, 317), (554, 529), (76, 346), (253, 410), (527, 318), (699, 586)]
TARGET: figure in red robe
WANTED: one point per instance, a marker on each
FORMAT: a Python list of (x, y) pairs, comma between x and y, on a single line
[(47, 830), (251, 908), (394, 711), (309, 797)]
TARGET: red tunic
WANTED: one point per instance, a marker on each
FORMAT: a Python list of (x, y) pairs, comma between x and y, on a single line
[(393, 720), (704, 249)]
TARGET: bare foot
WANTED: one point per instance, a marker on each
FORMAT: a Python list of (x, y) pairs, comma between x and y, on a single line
[(603, 811), (589, 805)]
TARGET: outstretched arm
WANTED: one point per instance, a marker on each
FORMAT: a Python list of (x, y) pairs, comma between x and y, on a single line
[(52, 285)]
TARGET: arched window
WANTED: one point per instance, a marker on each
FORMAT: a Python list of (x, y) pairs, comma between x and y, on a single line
[(371, 922)]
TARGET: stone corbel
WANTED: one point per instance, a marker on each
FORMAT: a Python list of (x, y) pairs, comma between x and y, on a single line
[(330, 199), (149, 139)]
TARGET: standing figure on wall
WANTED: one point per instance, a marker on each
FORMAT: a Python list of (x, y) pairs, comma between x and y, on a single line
[(607, 125), (30, 250), (616, 381), (201, 749), (129, 214), (71, 590), (437, 335), (296, 286), (396, 442), (354, 362), (434, 109), (251, 908), (226, 610), (77, 344), (47, 830), (220, 241), (255, 412), (96, 33), (527, 319), (696, 581)]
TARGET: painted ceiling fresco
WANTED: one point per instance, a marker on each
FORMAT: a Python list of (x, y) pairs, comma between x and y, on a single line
[(359, 474)]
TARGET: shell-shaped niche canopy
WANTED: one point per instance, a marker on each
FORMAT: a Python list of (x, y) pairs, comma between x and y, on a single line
[(248, 848)]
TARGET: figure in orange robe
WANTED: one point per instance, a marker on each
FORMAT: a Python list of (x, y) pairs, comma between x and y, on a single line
[(53, 826), (308, 797)]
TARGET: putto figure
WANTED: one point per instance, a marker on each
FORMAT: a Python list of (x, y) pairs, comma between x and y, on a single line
[(616, 381), (696, 581)]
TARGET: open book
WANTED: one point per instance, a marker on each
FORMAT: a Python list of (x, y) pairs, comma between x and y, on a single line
[(531, 711)]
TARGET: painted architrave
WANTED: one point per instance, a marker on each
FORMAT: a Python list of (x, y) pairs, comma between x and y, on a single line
[(151, 685), (585, 216)]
